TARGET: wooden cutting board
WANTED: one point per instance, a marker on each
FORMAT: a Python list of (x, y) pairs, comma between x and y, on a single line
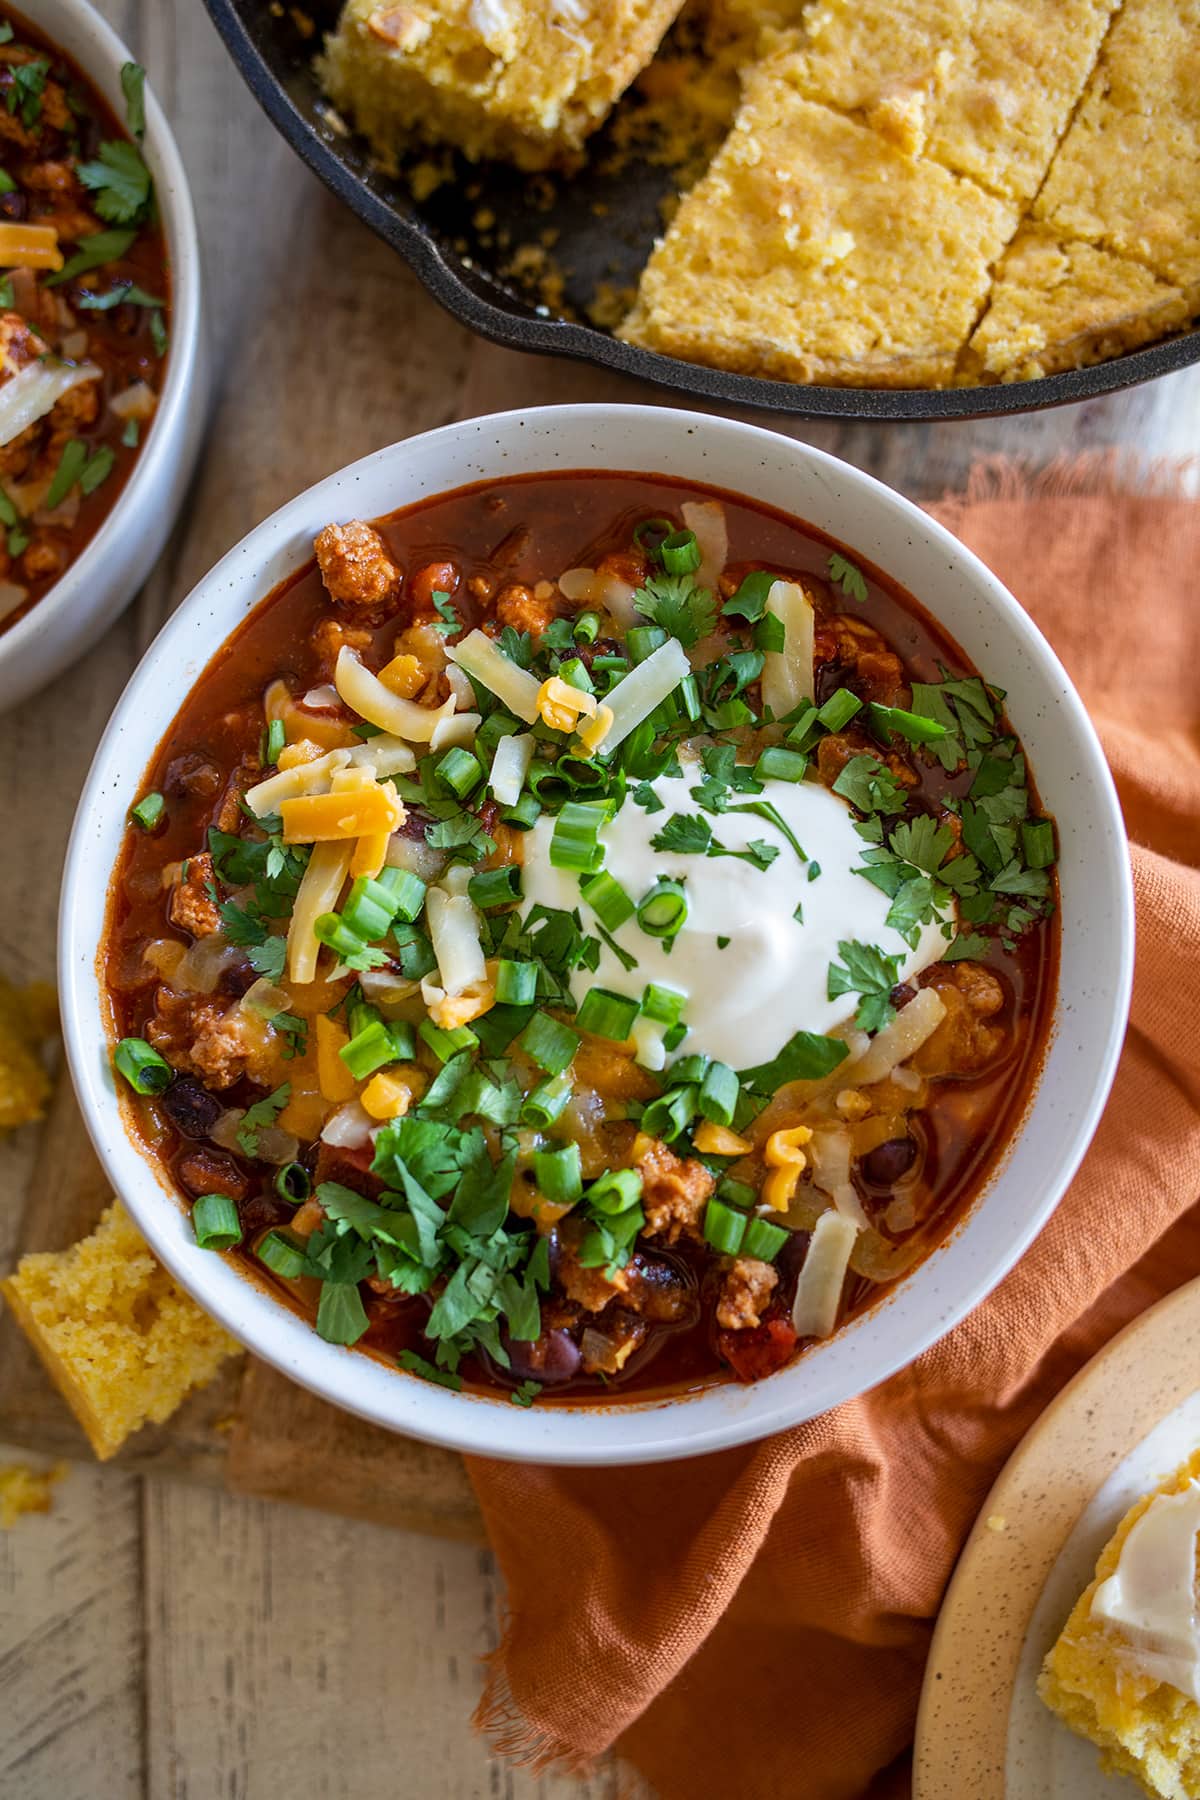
[(240, 1432)]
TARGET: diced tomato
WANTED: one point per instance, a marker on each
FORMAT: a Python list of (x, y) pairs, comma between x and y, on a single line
[(753, 1354)]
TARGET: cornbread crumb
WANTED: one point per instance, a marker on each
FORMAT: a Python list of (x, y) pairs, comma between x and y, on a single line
[(24, 1490), (997, 1522), (27, 1017), (1061, 305), (122, 1343), (527, 80), (815, 251), (1127, 176), (1144, 1727)]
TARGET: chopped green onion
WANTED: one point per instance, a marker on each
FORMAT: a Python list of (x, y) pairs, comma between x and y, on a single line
[(606, 1014), (369, 909), (675, 1037), (131, 434), (459, 771), (651, 525), (587, 627), (338, 936), (495, 887), (839, 709), (7, 186), (778, 764), (559, 1174), (670, 1114), (575, 673), (516, 982), (143, 1068), (719, 1092), (369, 1050), (550, 787), (407, 892), (281, 1255), (763, 1240), (608, 900), (549, 1043), (663, 1004), (737, 1193), (804, 733), (70, 467), (581, 773), (98, 468), (524, 815), (616, 1191), (662, 912), (724, 1228), (293, 1183), (546, 1101), (497, 725), (1037, 841), (641, 641), (913, 726), (446, 1044), (215, 1222), (680, 553), (688, 1068), (148, 811), (688, 696), (575, 843), (274, 739)]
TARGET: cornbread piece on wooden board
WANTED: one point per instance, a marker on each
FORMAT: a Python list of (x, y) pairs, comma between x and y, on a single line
[(1091, 1679), (526, 80), (28, 1016), (121, 1341), (24, 1490), (815, 251), (985, 87), (1127, 176), (1057, 305)]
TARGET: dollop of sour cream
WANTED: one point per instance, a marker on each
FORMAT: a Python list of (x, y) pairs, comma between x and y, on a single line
[(771, 978), (1151, 1594)]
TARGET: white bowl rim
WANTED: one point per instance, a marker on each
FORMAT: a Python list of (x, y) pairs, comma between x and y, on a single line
[(630, 1432), (183, 315)]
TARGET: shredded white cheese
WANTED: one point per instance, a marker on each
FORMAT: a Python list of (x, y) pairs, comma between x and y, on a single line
[(788, 673), (515, 686), (819, 1289), (637, 694), (368, 697), (510, 766), (34, 390)]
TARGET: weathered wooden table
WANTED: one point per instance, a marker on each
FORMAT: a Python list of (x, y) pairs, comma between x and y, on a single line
[(158, 1639)]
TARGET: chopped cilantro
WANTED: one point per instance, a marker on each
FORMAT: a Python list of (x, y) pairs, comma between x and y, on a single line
[(26, 87), (120, 181), (870, 972), (91, 253), (416, 1365), (448, 622), (257, 1117), (845, 575), (870, 786), (685, 611), (526, 1394), (644, 795)]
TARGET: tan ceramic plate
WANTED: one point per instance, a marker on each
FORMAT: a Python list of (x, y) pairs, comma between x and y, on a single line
[(1128, 1418)]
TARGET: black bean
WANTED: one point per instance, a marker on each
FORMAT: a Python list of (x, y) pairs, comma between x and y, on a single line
[(13, 206), (552, 1357), (888, 1163), (191, 1108)]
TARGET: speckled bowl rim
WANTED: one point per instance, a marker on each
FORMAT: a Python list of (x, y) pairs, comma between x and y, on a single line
[(879, 526), (1086, 1432)]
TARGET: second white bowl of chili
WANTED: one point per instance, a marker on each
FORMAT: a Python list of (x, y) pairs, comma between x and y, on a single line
[(671, 997)]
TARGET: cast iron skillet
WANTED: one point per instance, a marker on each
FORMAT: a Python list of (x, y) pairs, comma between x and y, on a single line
[(456, 255)]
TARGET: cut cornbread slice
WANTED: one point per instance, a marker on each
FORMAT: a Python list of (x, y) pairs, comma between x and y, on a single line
[(27, 1016), (814, 251), (1009, 96), (122, 1343), (1061, 306), (1092, 1679), (526, 80), (1127, 175), (985, 87)]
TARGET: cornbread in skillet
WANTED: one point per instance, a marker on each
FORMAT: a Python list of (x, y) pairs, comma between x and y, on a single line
[(1058, 305), (1127, 176), (1093, 1680), (121, 1342), (526, 80), (815, 250)]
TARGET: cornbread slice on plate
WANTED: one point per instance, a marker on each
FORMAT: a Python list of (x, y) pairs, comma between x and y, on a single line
[(985, 87), (1098, 1684), (1008, 98), (1127, 175), (1058, 305), (121, 1342), (526, 80), (815, 251)]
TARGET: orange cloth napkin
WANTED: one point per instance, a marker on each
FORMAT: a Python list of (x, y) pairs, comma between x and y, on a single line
[(755, 1623)]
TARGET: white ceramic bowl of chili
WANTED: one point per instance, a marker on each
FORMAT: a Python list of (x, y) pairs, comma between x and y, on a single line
[(100, 583), (1097, 924)]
